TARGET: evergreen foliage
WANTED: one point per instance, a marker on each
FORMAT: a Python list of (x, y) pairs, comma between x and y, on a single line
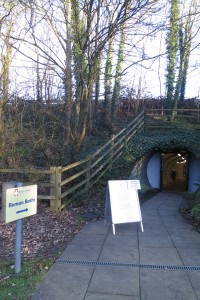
[(168, 141)]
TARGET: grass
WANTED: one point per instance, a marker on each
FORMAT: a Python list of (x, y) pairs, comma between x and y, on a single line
[(191, 209), (20, 286), (195, 209)]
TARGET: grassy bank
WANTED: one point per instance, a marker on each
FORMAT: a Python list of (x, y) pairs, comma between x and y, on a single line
[(191, 209), (20, 286)]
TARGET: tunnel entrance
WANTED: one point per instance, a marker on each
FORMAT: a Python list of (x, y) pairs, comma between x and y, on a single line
[(174, 171)]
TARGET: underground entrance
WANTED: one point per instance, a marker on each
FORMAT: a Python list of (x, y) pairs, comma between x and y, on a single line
[(174, 171)]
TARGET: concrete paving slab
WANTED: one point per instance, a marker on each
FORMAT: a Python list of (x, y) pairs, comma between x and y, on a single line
[(89, 239), (176, 224), (152, 222), (194, 278), (84, 252), (115, 280), (94, 296), (183, 232), (190, 257), (97, 227), (177, 218), (154, 219), (149, 212), (149, 208), (118, 240), (170, 212), (125, 229), (151, 241), (152, 230), (167, 206), (174, 201), (64, 282), (119, 254), (160, 256), (156, 204), (190, 242), (171, 196), (165, 285)]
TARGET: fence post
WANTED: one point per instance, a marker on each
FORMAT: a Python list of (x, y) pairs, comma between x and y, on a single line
[(88, 166), (126, 139), (55, 191), (112, 150), (143, 120)]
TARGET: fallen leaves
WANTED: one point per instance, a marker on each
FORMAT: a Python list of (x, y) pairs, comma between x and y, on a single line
[(47, 232), (42, 234), (4, 278)]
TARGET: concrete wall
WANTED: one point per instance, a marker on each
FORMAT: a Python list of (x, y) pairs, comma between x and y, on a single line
[(194, 173), (153, 170), (147, 170), (139, 172)]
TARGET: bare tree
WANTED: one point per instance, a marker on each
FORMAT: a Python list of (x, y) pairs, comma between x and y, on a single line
[(7, 24), (74, 48), (186, 35), (181, 33)]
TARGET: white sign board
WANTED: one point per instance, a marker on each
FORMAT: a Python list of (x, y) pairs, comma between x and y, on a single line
[(21, 202), (124, 201)]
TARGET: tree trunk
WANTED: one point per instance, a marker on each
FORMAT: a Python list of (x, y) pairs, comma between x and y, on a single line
[(172, 44), (117, 84), (67, 81), (108, 75), (98, 71), (6, 61)]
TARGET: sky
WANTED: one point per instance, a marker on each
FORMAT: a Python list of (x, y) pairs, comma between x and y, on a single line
[(149, 74), (153, 72)]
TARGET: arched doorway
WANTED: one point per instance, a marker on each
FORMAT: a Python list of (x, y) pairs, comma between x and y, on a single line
[(174, 171), (155, 171)]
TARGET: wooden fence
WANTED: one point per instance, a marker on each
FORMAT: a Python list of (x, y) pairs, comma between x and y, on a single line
[(61, 185), (158, 119)]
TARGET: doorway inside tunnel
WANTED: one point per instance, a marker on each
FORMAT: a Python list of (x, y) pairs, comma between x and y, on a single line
[(174, 171)]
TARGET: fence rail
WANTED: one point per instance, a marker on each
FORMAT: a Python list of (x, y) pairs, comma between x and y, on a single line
[(156, 119), (60, 185)]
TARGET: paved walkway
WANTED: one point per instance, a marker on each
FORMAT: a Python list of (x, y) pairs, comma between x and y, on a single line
[(168, 240)]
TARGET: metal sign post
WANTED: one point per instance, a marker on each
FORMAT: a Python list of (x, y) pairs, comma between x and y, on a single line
[(19, 202), (18, 246)]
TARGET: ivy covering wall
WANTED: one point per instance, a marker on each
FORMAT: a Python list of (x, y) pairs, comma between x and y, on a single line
[(140, 149), (164, 141)]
